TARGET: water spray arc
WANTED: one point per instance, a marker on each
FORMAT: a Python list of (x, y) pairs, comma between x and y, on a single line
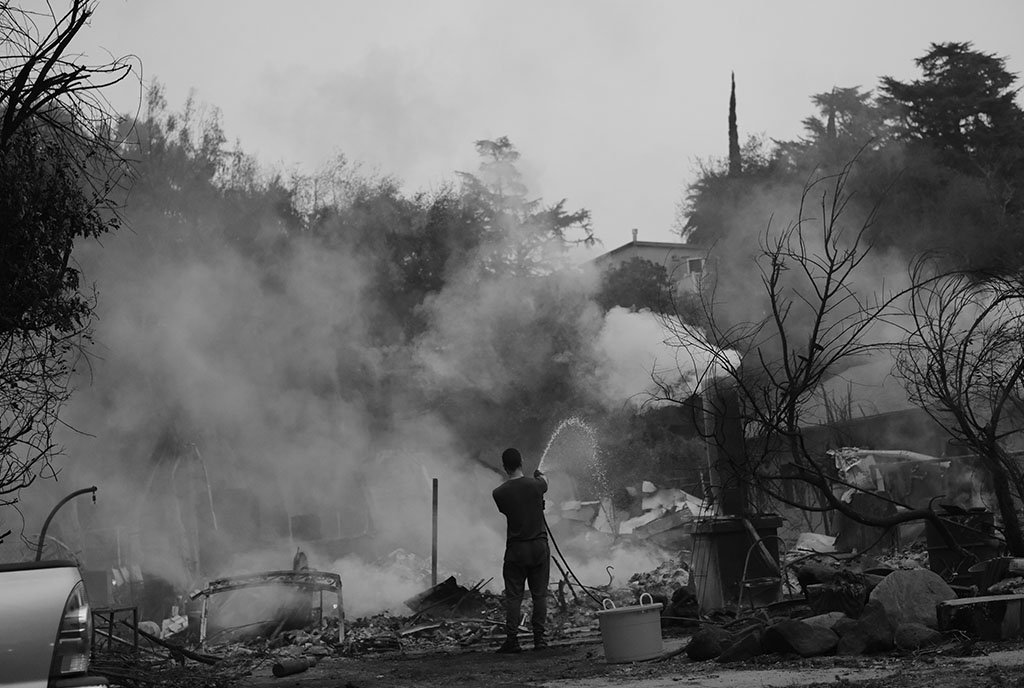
[(591, 450)]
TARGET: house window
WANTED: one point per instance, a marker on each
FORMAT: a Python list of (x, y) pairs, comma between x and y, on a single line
[(695, 265)]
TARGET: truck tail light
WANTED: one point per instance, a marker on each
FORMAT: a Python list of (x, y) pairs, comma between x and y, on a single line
[(74, 639)]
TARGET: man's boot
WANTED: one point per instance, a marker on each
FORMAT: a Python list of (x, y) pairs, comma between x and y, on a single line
[(509, 647), (539, 641)]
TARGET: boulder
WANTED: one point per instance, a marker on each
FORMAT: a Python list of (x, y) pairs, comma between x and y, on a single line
[(708, 643), (871, 581), (844, 625), (914, 636), (747, 646), (876, 621), (796, 637), (870, 632), (853, 643), (828, 620), (911, 596)]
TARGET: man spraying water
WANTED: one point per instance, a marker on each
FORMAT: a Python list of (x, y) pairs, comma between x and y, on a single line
[(527, 558)]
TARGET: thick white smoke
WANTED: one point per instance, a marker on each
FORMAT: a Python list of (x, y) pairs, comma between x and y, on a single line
[(643, 356)]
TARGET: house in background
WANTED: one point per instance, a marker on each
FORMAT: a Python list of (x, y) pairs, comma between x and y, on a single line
[(684, 263)]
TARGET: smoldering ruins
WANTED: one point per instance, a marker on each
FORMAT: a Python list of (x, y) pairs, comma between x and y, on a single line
[(295, 389)]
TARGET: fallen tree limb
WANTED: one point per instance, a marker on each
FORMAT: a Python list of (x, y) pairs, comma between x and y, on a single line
[(817, 479)]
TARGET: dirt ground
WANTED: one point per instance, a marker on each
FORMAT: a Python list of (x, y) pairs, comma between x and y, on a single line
[(582, 664)]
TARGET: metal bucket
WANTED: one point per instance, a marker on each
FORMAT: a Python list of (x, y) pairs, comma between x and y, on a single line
[(631, 634)]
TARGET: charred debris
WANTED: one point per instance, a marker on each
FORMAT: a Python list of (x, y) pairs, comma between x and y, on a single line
[(792, 595), (735, 582)]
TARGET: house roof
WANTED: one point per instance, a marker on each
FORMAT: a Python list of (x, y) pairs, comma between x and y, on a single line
[(650, 244)]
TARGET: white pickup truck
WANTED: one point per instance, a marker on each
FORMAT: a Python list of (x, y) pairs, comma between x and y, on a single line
[(45, 627)]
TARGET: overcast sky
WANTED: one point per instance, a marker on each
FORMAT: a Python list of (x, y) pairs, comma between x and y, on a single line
[(610, 103)]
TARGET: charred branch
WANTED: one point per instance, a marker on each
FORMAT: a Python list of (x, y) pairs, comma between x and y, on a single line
[(817, 322)]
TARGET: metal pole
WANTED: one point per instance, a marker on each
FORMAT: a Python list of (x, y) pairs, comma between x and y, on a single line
[(433, 541)]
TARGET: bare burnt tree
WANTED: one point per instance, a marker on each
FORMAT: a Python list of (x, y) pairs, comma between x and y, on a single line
[(963, 363), (58, 165), (46, 89), (817, 320)]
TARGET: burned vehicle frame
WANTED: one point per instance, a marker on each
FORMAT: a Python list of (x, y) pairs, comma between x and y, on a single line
[(303, 581)]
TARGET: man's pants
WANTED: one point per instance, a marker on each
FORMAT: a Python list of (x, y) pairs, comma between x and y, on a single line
[(526, 563)]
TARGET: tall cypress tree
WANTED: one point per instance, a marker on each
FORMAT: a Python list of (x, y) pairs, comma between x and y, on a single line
[(735, 166)]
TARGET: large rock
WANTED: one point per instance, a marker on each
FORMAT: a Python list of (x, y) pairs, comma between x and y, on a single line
[(708, 643), (914, 636), (870, 632), (853, 643), (796, 637), (828, 620), (844, 625), (747, 646), (911, 596)]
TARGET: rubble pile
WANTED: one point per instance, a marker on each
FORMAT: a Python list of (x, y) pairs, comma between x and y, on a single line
[(660, 515), (480, 622), (851, 613), (412, 635), (665, 579), (843, 605), (859, 606), (913, 556)]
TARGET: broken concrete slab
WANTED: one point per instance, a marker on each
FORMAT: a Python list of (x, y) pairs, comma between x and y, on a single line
[(911, 596)]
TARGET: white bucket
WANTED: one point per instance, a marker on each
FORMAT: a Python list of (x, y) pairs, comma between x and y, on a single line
[(631, 634)]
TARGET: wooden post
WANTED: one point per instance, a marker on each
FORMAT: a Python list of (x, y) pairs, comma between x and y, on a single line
[(433, 542)]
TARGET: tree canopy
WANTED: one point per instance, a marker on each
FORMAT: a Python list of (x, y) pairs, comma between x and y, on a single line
[(635, 284), (941, 156), (59, 164)]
